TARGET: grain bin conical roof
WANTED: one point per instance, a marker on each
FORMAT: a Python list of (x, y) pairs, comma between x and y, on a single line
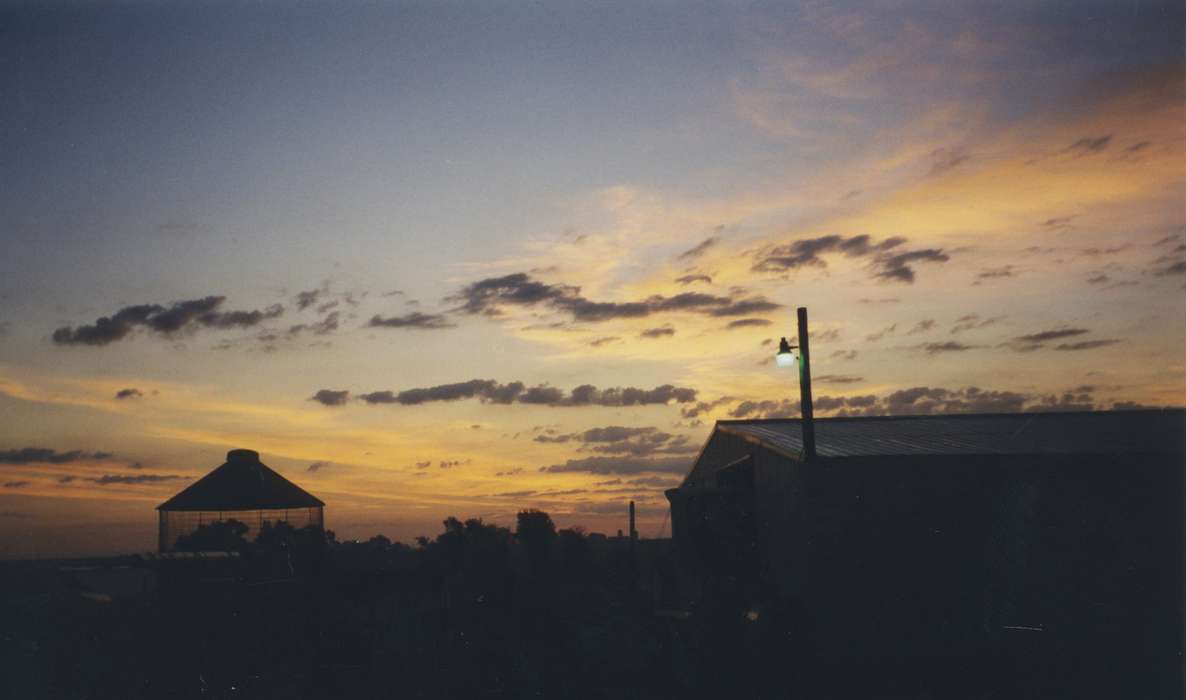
[(242, 483)]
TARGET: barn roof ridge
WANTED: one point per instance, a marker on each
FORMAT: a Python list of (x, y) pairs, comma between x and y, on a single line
[(1054, 432)]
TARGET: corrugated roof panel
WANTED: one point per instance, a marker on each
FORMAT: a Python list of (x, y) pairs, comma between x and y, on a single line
[(1094, 432)]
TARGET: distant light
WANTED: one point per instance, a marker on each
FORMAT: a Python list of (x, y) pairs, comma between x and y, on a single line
[(784, 358)]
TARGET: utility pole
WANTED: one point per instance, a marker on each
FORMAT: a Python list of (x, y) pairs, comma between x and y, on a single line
[(808, 421)]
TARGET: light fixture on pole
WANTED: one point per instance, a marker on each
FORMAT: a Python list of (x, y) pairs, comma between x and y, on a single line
[(786, 358)]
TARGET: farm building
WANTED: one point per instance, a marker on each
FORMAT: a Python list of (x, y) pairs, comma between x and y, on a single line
[(928, 536), (242, 489)]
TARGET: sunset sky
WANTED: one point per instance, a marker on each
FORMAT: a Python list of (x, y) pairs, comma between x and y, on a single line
[(437, 259)]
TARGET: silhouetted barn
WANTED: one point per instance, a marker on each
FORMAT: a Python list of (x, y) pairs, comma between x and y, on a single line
[(936, 535), (242, 489)]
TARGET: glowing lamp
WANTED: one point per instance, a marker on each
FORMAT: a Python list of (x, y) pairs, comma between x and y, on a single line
[(785, 356)]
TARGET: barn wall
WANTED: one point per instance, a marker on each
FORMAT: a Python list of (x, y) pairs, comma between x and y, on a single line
[(1076, 557)]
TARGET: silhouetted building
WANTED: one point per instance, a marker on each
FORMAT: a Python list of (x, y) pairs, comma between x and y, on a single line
[(242, 489), (932, 535)]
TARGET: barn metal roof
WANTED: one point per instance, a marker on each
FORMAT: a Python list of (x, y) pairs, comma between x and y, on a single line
[(1093, 432), (242, 483)]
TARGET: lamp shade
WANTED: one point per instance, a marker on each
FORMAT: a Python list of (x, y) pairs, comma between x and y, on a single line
[(785, 357)]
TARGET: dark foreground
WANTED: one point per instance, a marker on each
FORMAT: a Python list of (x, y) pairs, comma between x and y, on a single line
[(476, 613)]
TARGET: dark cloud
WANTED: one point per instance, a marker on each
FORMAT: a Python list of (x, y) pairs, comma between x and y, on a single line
[(898, 267), (945, 159), (654, 481), (807, 252), (107, 329), (424, 465), (926, 400), (921, 327), (128, 394), (886, 300), (972, 322), (316, 467), (660, 332), (888, 330), (785, 408), (545, 395), (838, 379), (745, 306), (136, 478), (325, 326), (450, 463), (181, 316), (702, 407), (1132, 406), (1168, 239), (619, 433), (844, 355), (43, 455), (1090, 144), (489, 296), (946, 346), (622, 465), (997, 272), (182, 313), (923, 400), (414, 320), (699, 249), (518, 289), (514, 494), (1087, 344), (510, 472), (1058, 222), (1033, 341), (16, 484), (490, 391), (748, 323), (623, 440), (1175, 268), (606, 340), (330, 397), (1139, 146), (1051, 335), (1078, 399), (1098, 252), (885, 264), (689, 279), (1099, 279), (306, 299)]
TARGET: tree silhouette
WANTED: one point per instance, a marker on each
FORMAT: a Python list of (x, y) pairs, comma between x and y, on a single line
[(537, 532)]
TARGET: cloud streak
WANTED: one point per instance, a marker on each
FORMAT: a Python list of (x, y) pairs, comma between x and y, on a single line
[(44, 455), (415, 320), (179, 317), (490, 391), (491, 297), (885, 262)]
